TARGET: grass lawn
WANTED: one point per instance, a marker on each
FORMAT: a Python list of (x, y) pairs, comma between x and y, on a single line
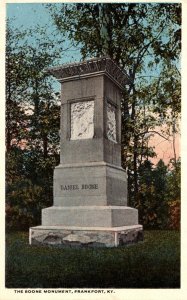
[(154, 263)]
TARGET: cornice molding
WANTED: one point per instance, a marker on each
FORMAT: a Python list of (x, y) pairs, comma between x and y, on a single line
[(88, 68)]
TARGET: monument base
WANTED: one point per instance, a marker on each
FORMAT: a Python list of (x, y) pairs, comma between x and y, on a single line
[(85, 236), (90, 216)]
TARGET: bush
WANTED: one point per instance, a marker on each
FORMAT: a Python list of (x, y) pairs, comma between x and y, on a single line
[(174, 213), (24, 202)]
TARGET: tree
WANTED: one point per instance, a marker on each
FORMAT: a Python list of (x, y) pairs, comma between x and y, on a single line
[(144, 39), (174, 193), (153, 195), (32, 117), (28, 53), (16, 85), (145, 201), (161, 194)]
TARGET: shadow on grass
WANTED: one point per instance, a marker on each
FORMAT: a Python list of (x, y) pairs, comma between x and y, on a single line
[(154, 263)]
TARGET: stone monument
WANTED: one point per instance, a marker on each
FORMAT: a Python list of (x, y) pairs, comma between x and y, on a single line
[(90, 186)]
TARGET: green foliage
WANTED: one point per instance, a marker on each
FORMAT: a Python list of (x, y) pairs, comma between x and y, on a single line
[(120, 29), (29, 181), (174, 179), (32, 110), (32, 125), (174, 191), (174, 211), (155, 263), (153, 207), (158, 189), (24, 202)]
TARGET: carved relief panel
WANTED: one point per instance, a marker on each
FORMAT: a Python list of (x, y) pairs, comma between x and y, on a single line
[(82, 120), (111, 122)]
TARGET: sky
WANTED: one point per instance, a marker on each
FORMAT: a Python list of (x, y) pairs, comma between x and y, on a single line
[(28, 15)]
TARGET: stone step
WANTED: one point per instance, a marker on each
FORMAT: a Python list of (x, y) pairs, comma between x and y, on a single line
[(90, 216), (85, 237)]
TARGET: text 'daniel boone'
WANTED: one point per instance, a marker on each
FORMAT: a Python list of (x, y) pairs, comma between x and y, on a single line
[(82, 120), (111, 122)]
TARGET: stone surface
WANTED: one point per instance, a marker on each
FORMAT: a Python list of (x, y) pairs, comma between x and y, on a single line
[(90, 187), (86, 237), (90, 216), (82, 114), (99, 148), (104, 64), (80, 238)]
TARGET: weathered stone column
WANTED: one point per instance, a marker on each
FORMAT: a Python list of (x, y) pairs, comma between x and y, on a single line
[(90, 186)]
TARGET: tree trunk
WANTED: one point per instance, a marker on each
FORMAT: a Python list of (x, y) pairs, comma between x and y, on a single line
[(174, 149), (135, 156), (45, 146)]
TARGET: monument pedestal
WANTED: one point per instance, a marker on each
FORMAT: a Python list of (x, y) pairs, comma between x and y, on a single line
[(90, 187), (85, 236)]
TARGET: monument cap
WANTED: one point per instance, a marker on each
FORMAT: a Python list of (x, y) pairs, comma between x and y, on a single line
[(93, 66)]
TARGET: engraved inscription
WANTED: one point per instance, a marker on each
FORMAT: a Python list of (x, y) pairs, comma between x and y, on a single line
[(73, 187), (82, 120), (89, 186), (69, 187), (111, 122)]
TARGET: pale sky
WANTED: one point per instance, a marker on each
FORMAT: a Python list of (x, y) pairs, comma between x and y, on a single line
[(28, 15), (164, 148)]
